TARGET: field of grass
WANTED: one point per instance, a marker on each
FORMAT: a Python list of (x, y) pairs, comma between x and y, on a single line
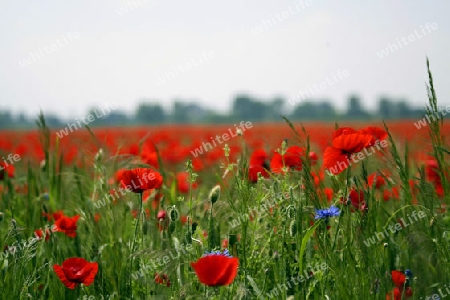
[(298, 211)]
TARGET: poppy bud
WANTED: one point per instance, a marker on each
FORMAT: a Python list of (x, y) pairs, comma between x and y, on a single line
[(98, 157), (194, 226), (214, 194), (174, 214), (232, 240), (161, 215), (1, 216), (292, 229), (43, 165), (145, 227), (290, 212)]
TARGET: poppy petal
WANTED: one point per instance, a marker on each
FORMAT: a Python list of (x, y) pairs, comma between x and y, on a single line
[(343, 130), (92, 269), (216, 270), (229, 273), (334, 160), (352, 143), (60, 273), (398, 278)]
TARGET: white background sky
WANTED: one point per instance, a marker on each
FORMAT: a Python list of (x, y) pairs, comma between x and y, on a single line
[(118, 57)]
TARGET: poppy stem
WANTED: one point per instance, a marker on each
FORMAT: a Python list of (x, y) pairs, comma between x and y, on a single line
[(135, 234), (137, 221)]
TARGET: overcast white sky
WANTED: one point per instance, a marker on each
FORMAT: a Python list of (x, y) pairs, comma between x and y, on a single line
[(119, 55)]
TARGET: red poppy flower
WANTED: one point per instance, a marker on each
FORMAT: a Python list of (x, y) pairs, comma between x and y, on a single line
[(395, 294), (432, 175), (345, 143), (253, 172), (378, 134), (131, 150), (258, 157), (292, 159), (97, 217), (431, 170), (357, 200), (68, 225), (55, 216), (6, 168), (225, 243), (162, 279), (343, 130), (257, 164), (313, 158), (76, 270), (197, 164), (276, 163), (377, 179), (399, 280), (139, 179), (161, 215), (391, 194), (216, 269), (150, 158), (39, 233), (318, 178), (328, 193)]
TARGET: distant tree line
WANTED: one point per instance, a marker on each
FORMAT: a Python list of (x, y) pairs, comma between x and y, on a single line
[(244, 107)]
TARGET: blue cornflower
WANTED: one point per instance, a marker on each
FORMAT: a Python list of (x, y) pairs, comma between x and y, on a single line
[(333, 211), (409, 273), (218, 252)]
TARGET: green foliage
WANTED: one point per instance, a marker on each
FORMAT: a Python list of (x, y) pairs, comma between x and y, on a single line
[(268, 226)]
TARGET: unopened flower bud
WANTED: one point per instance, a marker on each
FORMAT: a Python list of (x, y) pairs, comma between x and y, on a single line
[(232, 240), (161, 215), (290, 212), (214, 194), (98, 157), (43, 164), (145, 227), (174, 214), (1, 216), (293, 228)]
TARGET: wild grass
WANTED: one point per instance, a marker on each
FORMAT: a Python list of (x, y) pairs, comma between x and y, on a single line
[(277, 246)]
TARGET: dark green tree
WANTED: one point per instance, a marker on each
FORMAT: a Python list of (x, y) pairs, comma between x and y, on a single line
[(355, 111), (147, 113)]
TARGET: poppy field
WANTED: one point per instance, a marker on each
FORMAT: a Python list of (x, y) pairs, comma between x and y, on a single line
[(238, 211)]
